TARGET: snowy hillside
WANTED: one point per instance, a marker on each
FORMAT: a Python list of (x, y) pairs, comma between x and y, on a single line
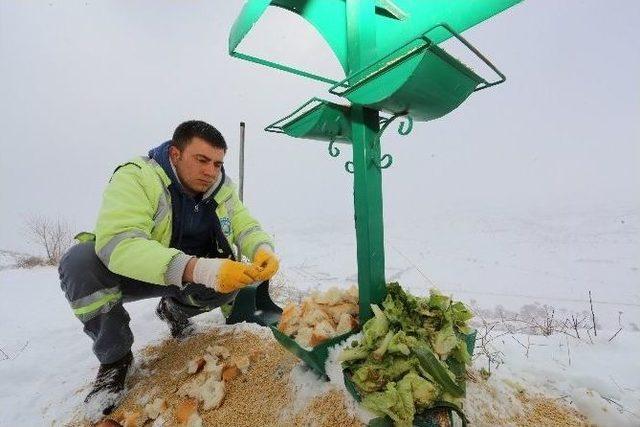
[(539, 268)]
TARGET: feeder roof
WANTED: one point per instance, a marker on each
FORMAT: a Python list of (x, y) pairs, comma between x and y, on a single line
[(397, 21)]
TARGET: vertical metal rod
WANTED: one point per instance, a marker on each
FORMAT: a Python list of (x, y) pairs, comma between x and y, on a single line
[(241, 179), (241, 170), (367, 179)]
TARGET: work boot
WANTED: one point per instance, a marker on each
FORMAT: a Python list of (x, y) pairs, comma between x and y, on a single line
[(179, 324), (108, 388)]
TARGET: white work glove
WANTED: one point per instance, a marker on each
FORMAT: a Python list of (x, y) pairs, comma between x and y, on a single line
[(224, 275)]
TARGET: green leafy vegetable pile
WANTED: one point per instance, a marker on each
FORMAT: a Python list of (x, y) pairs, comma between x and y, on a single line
[(412, 355)]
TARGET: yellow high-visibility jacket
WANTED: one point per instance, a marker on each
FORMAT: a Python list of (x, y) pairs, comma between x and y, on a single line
[(134, 226)]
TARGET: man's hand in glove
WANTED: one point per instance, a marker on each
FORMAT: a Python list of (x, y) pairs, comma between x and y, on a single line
[(224, 275), (266, 262)]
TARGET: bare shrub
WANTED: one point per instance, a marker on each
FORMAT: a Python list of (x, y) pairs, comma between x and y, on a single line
[(53, 236), (31, 261), (531, 319), (486, 334)]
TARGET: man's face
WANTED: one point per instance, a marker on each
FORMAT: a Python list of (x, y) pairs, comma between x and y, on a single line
[(198, 165)]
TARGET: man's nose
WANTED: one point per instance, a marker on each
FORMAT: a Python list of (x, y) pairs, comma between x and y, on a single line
[(210, 170)]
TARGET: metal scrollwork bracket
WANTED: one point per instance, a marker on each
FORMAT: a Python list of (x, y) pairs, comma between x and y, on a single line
[(404, 128), (333, 150), (349, 167), (384, 162)]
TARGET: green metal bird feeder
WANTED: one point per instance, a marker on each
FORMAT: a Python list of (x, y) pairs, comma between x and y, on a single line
[(392, 62)]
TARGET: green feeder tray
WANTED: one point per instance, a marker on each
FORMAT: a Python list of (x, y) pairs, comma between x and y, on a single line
[(316, 119), (314, 358), (419, 79), (440, 414)]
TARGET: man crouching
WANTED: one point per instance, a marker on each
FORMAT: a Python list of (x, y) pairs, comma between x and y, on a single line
[(165, 229)]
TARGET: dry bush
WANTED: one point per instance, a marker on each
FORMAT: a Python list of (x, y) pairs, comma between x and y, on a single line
[(31, 261), (53, 236), (529, 320)]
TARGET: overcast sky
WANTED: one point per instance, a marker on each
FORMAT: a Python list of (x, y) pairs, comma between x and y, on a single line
[(85, 85)]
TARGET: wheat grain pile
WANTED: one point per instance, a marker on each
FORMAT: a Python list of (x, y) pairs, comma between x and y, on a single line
[(264, 395)]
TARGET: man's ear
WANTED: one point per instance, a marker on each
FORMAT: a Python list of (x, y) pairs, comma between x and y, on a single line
[(174, 153)]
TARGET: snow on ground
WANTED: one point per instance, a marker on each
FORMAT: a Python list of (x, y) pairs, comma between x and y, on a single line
[(48, 364), (499, 262), (601, 379)]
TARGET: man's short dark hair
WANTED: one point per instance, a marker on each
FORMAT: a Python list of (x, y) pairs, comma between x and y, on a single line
[(197, 128)]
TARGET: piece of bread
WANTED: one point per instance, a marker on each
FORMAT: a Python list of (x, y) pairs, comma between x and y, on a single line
[(219, 351), (212, 394), (315, 316), (185, 410), (325, 328), (133, 419), (347, 323), (212, 367), (303, 337), (322, 332), (317, 339), (306, 306), (196, 365), (351, 295), (191, 388), (194, 420), (289, 320), (154, 409), (331, 297), (336, 311), (230, 372)]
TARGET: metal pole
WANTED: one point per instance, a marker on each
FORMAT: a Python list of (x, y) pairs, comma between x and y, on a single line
[(241, 171), (367, 179)]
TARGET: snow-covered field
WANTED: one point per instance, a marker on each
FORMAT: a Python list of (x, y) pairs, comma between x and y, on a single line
[(502, 263)]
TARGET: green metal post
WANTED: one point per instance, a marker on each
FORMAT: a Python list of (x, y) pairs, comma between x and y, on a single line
[(367, 194)]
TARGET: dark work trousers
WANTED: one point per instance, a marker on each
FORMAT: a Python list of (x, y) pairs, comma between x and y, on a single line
[(97, 295)]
